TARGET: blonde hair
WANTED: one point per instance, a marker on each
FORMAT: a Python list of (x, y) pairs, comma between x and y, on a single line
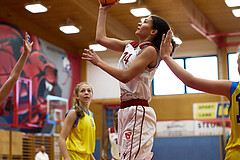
[(78, 109)]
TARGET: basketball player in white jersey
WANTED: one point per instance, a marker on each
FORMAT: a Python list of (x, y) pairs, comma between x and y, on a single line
[(137, 65), (112, 137)]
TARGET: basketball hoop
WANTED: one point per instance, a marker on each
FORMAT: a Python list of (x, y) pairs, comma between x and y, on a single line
[(60, 121)]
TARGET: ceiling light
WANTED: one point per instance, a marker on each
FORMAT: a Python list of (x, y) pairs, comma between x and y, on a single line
[(232, 3), (143, 19), (35, 8), (140, 12), (127, 1), (236, 12), (69, 29), (177, 40), (97, 47)]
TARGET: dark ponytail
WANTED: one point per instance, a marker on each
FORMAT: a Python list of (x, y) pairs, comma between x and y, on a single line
[(175, 45), (162, 27), (78, 109)]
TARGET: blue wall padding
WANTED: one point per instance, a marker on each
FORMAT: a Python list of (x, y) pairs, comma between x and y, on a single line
[(187, 148), (97, 152)]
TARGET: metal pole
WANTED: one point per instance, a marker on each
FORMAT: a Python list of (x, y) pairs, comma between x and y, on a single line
[(222, 98)]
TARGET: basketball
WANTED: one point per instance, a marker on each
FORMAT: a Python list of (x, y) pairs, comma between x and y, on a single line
[(107, 2)]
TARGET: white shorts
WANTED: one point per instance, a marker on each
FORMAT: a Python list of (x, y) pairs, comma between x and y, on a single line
[(136, 129)]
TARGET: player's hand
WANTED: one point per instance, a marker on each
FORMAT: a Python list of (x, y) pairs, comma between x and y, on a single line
[(27, 44), (92, 57), (166, 45), (101, 7), (104, 156)]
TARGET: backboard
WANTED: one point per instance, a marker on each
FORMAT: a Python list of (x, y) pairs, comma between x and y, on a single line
[(56, 109)]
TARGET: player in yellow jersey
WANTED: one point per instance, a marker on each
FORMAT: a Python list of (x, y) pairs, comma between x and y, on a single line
[(226, 88), (77, 138)]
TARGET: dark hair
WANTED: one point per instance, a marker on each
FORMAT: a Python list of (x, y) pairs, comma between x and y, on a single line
[(78, 109), (115, 114), (162, 27)]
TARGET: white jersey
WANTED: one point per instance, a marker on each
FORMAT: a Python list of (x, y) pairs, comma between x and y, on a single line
[(139, 87), (136, 129), (113, 138), (41, 156)]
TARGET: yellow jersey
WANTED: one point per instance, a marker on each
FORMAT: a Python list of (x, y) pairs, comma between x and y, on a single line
[(81, 139), (233, 145)]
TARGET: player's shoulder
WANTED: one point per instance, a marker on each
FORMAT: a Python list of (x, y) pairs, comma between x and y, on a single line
[(127, 41), (149, 50), (71, 114), (111, 130), (38, 154), (234, 86), (131, 44), (71, 111)]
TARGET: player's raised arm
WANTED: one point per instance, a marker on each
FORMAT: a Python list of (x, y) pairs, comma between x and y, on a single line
[(9, 84), (101, 37), (220, 87)]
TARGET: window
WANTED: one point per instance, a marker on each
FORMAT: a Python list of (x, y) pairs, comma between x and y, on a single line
[(233, 74), (166, 83), (202, 67)]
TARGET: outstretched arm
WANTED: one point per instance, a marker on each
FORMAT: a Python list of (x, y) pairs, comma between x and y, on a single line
[(17, 69), (220, 87), (101, 38), (146, 58)]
